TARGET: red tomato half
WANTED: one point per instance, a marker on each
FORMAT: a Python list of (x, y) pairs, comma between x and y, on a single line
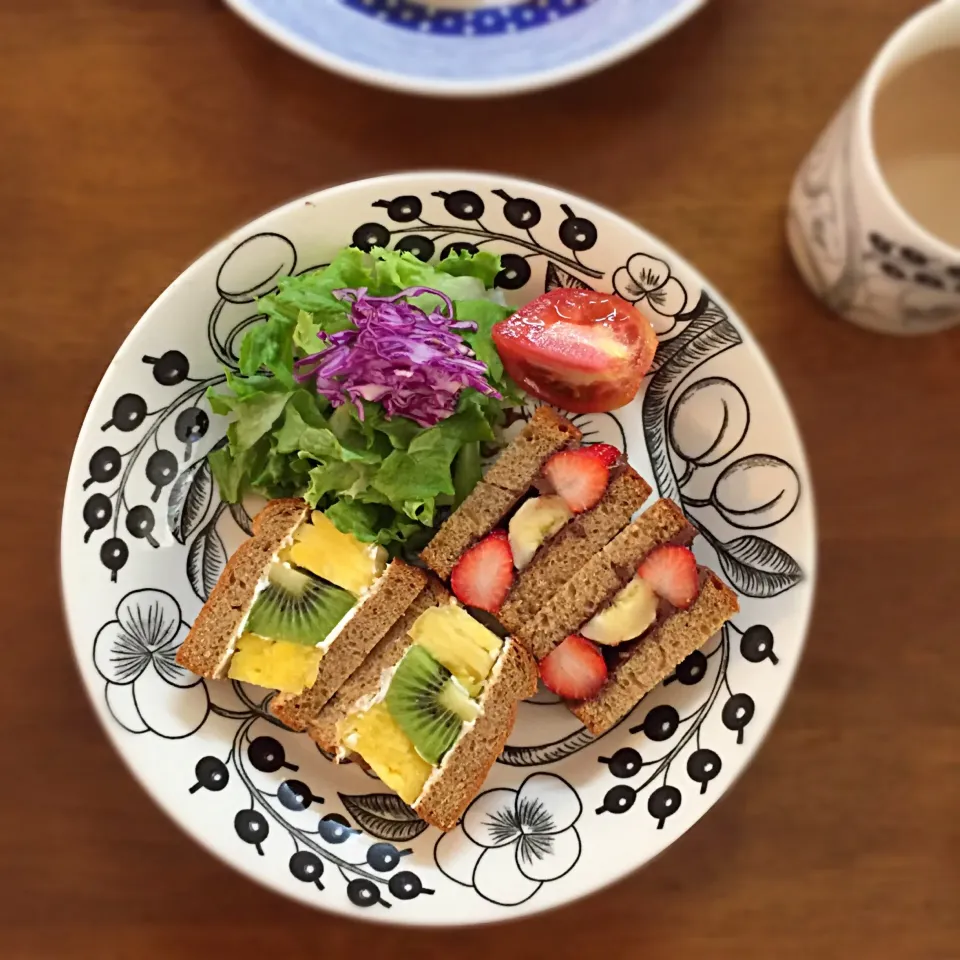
[(584, 351)]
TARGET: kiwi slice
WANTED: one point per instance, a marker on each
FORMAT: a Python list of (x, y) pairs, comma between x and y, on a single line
[(297, 608), (428, 704)]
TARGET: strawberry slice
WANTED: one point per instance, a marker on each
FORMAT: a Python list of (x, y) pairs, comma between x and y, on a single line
[(578, 476), (672, 572), (483, 576), (575, 670), (604, 452)]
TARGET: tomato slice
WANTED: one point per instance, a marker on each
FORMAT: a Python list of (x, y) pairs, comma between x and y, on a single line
[(578, 349)]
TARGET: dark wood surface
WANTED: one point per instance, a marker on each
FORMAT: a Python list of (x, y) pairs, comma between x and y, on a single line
[(133, 133)]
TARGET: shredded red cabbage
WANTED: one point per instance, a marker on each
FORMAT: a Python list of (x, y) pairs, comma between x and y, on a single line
[(409, 361)]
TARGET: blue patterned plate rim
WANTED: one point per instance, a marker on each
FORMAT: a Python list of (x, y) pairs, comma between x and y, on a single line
[(607, 53)]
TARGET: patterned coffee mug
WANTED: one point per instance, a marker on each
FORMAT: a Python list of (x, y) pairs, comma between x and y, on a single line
[(857, 248)]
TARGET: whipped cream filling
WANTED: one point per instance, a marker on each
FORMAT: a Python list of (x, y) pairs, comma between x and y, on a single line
[(231, 648)]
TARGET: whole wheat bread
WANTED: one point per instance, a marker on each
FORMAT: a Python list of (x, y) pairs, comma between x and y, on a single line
[(513, 473), (390, 596), (365, 680), (445, 798), (576, 543), (602, 576), (656, 655), (205, 649)]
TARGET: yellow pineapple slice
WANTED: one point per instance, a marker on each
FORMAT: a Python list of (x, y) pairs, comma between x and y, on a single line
[(377, 737), (338, 557), (275, 664), (458, 641)]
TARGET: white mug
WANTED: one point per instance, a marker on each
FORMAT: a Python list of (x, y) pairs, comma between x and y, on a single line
[(855, 243)]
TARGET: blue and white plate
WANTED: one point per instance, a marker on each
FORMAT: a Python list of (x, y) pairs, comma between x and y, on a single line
[(563, 813), (464, 47)]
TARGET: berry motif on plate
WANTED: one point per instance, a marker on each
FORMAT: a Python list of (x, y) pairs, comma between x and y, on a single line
[(681, 735), (422, 232), (153, 472), (511, 842), (182, 424), (274, 800)]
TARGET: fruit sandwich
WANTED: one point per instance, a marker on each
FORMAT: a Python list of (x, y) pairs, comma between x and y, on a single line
[(431, 707), (607, 606), (297, 608), (375, 661)]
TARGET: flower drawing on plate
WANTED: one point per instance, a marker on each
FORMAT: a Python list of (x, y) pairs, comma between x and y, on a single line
[(511, 842), (135, 654), (648, 279)]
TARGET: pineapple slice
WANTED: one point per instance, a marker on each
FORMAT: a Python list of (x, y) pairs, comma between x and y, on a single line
[(458, 641), (377, 737), (338, 557), (275, 664)]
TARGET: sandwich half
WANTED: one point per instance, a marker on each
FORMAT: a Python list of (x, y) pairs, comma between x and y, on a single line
[(510, 477), (558, 504), (431, 708), (297, 608), (644, 602)]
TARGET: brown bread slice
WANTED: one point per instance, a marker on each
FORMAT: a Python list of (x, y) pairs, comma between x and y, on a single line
[(485, 506), (205, 649), (513, 473), (656, 655), (365, 680), (563, 555), (545, 434), (393, 593), (595, 584), (465, 768)]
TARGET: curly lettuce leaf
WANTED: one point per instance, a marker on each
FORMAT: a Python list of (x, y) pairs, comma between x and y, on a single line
[(484, 313), (381, 479)]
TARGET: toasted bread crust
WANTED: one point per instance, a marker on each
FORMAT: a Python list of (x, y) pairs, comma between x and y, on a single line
[(467, 765), (657, 655), (513, 473), (208, 642), (576, 543), (599, 579), (393, 594)]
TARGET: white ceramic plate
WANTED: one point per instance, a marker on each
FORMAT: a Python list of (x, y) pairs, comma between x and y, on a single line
[(144, 538), (464, 48)]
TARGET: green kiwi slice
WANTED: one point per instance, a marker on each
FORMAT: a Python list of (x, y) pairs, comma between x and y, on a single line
[(297, 608), (428, 704)]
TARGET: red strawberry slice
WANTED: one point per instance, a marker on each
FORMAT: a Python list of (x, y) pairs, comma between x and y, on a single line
[(575, 670), (579, 477), (604, 452), (672, 572), (484, 574)]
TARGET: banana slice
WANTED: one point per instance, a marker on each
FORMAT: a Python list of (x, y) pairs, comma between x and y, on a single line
[(535, 522), (630, 612)]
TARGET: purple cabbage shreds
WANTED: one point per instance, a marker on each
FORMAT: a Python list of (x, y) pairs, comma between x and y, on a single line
[(409, 361)]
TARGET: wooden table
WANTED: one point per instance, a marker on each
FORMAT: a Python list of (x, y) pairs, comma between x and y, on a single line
[(133, 133)]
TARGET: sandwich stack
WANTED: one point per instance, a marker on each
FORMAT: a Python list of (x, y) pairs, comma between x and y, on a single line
[(376, 660), (608, 605)]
